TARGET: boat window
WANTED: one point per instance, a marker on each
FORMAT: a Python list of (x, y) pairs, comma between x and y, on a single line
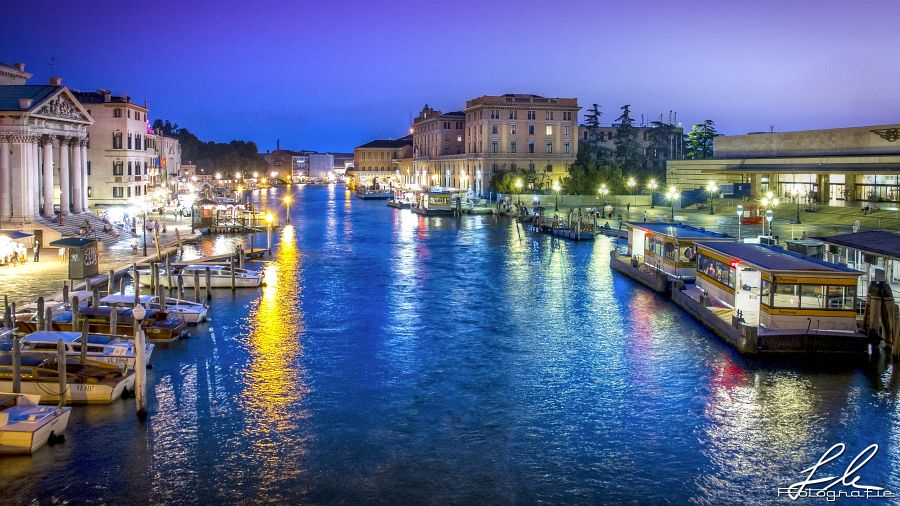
[(841, 297), (716, 270), (765, 293), (812, 296), (786, 295)]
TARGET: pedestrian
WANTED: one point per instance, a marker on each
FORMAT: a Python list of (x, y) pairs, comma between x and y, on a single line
[(134, 243), (164, 228), (62, 254), (37, 251), (645, 216), (628, 207)]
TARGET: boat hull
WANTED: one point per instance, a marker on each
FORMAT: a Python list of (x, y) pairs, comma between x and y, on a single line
[(76, 393), (26, 442), (215, 281)]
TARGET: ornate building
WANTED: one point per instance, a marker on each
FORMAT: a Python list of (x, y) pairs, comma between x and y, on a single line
[(382, 161), (43, 151)]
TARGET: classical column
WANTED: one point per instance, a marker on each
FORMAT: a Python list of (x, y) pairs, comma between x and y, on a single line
[(18, 176), (84, 176), (34, 169), (76, 176), (5, 206), (64, 188), (48, 177)]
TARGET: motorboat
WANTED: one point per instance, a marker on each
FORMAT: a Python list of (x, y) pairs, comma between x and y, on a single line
[(184, 310), (101, 348), (26, 317), (25, 426), (87, 382), (220, 277), (158, 326)]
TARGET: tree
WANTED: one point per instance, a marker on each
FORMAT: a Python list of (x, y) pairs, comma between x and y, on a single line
[(699, 142), (661, 135), (592, 118), (235, 156), (629, 153), (586, 175)]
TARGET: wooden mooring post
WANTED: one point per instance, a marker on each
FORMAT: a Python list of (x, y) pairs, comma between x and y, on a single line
[(140, 373), (61, 370), (208, 284), (40, 313), (17, 364), (170, 285), (48, 320), (196, 286), (232, 274), (110, 282)]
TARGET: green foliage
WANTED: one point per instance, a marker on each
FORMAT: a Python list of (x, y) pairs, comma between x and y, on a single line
[(699, 142), (629, 153), (586, 176), (661, 135), (592, 117), (235, 156)]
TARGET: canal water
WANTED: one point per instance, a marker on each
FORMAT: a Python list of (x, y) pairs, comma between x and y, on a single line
[(397, 359)]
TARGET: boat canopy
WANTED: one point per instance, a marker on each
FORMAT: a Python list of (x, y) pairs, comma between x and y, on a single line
[(125, 299)]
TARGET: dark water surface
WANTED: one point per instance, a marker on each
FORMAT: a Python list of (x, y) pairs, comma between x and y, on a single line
[(398, 359)]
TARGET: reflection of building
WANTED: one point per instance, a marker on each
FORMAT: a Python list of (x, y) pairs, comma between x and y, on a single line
[(379, 161), (43, 148), (119, 160), (860, 163), (527, 133)]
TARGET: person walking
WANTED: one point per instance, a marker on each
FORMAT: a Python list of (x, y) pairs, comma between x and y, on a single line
[(37, 251)]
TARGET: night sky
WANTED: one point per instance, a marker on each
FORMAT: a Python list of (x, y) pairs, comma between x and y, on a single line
[(332, 75)]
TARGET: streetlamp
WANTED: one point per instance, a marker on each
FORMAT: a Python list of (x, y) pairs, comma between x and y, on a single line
[(672, 195), (769, 216), (797, 194), (287, 208), (740, 213), (269, 219), (767, 201), (711, 190), (652, 185), (518, 185), (631, 184), (556, 189)]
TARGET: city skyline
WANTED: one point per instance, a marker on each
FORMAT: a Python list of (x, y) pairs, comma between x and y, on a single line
[(331, 78)]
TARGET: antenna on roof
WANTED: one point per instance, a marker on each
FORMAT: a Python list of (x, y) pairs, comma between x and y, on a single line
[(771, 128)]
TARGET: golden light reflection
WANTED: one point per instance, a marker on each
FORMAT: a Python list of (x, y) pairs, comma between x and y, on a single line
[(274, 381)]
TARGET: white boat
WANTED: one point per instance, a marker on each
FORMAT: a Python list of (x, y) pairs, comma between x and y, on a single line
[(86, 383), (25, 426), (184, 310), (220, 277), (101, 348)]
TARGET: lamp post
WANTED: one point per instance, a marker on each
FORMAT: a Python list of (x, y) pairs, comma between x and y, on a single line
[(769, 216), (797, 194), (631, 183), (711, 190), (269, 219), (652, 185), (556, 189), (287, 208), (518, 185), (740, 213), (672, 195)]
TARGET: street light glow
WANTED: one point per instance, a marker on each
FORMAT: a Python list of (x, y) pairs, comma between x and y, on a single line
[(631, 182)]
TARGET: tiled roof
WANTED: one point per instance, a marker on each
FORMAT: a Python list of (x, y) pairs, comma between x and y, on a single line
[(389, 143), (10, 95)]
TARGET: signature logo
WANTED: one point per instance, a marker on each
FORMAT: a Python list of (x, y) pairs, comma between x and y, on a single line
[(847, 484)]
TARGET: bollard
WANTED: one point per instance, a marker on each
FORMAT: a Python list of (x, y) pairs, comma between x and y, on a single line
[(40, 313), (140, 374), (74, 312), (196, 286), (152, 277), (95, 295), (208, 284), (48, 320), (61, 370), (65, 292), (84, 340), (110, 282), (161, 297), (169, 272), (17, 365), (232, 274)]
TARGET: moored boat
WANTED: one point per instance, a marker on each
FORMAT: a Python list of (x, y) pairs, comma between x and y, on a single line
[(101, 348), (220, 277), (25, 426), (87, 382), (184, 310)]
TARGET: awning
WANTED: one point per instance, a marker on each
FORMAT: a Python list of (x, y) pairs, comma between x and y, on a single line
[(72, 242), (15, 234)]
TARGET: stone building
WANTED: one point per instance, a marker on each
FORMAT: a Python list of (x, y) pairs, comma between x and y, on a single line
[(43, 149), (121, 154), (827, 166), (381, 161)]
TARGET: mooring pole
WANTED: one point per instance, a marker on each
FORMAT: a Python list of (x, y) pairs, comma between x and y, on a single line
[(196, 286), (61, 370), (40, 313), (208, 284), (140, 373), (17, 364)]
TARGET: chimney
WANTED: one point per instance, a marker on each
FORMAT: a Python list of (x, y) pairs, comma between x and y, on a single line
[(21, 67), (24, 103), (106, 95), (56, 81)]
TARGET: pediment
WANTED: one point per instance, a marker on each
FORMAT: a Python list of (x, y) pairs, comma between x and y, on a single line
[(64, 106)]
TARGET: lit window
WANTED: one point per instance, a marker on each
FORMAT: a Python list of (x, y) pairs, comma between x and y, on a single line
[(549, 130)]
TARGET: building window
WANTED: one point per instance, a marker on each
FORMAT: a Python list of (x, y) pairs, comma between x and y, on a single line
[(88, 167), (117, 168), (530, 129), (129, 141), (446, 125), (129, 192), (513, 114), (118, 192), (494, 146), (512, 146), (494, 129), (137, 191), (566, 130), (458, 137), (495, 114), (549, 115), (145, 168), (548, 130), (567, 115), (117, 140), (549, 147), (117, 112), (531, 146), (512, 129), (548, 168), (566, 148), (129, 167), (531, 115)]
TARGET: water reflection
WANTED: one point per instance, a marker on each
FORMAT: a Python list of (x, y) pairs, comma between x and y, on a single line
[(274, 380)]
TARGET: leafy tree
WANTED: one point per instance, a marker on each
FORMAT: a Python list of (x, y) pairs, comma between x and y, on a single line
[(592, 118), (586, 175), (235, 156), (699, 142), (629, 153), (661, 135)]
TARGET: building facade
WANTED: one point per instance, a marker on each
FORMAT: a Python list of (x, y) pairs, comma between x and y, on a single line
[(43, 150), (496, 134), (831, 166), (120, 157), (381, 161), (659, 144)]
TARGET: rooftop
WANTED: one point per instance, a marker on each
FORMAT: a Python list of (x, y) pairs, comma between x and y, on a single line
[(389, 143), (98, 97), (679, 231), (10, 95), (880, 242), (772, 258)]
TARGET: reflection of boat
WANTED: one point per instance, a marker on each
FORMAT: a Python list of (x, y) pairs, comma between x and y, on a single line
[(184, 310), (25, 426), (86, 383), (101, 348), (220, 277)]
